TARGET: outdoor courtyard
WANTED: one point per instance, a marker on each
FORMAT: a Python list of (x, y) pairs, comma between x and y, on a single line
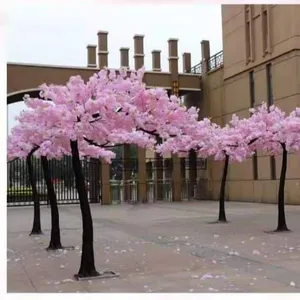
[(159, 247)]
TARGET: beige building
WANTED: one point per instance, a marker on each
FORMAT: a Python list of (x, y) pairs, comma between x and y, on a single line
[(260, 62), (261, 46)]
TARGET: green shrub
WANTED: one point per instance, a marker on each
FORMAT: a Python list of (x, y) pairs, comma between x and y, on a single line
[(19, 192), (23, 191)]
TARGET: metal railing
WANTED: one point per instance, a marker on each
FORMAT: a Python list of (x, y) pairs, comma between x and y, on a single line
[(197, 69), (19, 192), (215, 61), (123, 191), (159, 183), (188, 189), (159, 190)]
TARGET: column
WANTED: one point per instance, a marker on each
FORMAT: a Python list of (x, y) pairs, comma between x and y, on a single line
[(102, 49), (142, 175), (156, 62), (159, 175), (91, 56), (95, 164), (105, 183), (173, 69), (138, 51), (127, 172), (192, 172), (205, 55), (186, 62), (124, 57), (105, 168)]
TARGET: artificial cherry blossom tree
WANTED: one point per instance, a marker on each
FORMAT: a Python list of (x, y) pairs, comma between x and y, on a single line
[(231, 143), (18, 148), (281, 135), (234, 143), (26, 139), (86, 119)]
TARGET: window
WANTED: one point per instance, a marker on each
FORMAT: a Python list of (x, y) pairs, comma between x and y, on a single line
[(252, 103), (251, 85), (249, 33), (255, 166), (273, 167), (270, 100), (248, 41), (265, 21)]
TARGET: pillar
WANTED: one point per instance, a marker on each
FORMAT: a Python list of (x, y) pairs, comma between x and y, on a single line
[(91, 56), (192, 171), (186, 62), (159, 175), (142, 174), (102, 49), (124, 57), (138, 51), (105, 183), (156, 62), (127, 172), (173, 58), (94, 180), (173, 69), (126, 155), (105, 167), (95, 164), (158, 163), (205, 55)]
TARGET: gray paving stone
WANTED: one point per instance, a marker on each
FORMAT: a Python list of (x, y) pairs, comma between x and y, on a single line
[(162, 247)]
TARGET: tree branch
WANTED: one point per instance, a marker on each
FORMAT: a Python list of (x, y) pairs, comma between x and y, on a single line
[(252, 141), (105, 145), (32, 151), (195, 149), (153, 132)]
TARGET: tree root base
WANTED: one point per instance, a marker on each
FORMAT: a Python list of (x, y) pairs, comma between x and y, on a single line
[(33, 233), (96, 275), (69, 248), (218, 222), (277, 231)]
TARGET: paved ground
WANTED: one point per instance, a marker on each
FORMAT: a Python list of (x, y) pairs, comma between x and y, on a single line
[(168, 247)]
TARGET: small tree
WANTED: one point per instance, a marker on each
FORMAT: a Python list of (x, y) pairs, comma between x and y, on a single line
[(18, 148), (281, 136), (233, 142), (32, 136)]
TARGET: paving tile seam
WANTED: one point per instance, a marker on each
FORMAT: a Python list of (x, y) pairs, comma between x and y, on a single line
[(25, 271)]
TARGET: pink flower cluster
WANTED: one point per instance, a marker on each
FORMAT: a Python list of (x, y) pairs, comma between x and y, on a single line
[(115, 107), (111, 108), (266, 129)]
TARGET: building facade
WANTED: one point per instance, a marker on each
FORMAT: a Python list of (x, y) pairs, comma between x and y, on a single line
[(261, 48), (260, 62)]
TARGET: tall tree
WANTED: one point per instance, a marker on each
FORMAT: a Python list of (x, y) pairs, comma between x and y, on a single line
[(89, 119)]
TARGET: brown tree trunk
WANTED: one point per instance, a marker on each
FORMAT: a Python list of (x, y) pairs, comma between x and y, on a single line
[(36, 227), (87, 265), (222, 215), (281, 225), (55, 242)]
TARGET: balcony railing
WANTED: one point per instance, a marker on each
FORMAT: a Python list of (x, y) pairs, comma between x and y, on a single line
[(214, 62), (197, 69)]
